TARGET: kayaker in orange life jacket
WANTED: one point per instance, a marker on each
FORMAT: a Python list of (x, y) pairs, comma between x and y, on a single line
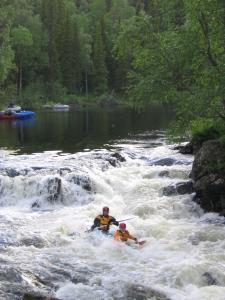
[(102, 222), (123, 235)]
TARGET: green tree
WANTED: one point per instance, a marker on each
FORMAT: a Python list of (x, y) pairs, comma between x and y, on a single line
[(22, 40), (99, 76), (6, 52), (53, 17), (70, 56)]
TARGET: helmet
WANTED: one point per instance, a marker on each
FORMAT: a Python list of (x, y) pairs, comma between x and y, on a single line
[(105, 208), (122, 226)]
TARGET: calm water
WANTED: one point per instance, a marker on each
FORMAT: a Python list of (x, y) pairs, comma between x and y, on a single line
[(74, 131)]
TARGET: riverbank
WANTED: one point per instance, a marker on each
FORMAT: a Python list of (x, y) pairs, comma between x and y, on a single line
[(208, 174), (37, 101)]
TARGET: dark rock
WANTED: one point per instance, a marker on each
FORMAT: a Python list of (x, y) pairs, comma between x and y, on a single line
[(38, 168), (185, 187), (208, 173), (209, 279), (179, 188), (12, 172), (54, 189), (163, 162), (36, 204), (139, 292), (186, 149), (35, 241), (164, 174), (84, 181), (167, 162), (119, 157), (37, 297), (169, 190)]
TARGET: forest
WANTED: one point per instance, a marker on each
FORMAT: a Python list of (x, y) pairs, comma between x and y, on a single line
[(139, 51)]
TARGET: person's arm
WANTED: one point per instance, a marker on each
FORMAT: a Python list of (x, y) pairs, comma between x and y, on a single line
[(131, 237), (114, 222), (116, 235), (96, 224)]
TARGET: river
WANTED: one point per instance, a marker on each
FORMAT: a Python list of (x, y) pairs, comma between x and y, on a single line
[(52, 188)]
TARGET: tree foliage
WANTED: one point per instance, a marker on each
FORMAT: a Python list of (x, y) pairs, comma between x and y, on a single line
[(171, 52)]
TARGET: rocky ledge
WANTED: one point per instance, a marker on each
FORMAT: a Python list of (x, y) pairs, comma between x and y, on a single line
[(208, 175)]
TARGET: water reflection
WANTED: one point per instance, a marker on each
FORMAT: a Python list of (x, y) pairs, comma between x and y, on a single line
[(72, 131)]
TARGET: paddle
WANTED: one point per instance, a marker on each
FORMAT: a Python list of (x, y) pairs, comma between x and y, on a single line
[(125, 220)]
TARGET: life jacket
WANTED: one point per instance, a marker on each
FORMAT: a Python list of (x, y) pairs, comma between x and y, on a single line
[(122, 235), (104, 220)]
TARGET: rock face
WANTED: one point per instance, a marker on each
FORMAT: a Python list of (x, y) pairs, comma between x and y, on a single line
[(186, 149), (179, 188), (208, 174), (37, 297)]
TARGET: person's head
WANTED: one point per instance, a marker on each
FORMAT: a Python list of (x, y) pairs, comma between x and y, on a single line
[(122, 226), (105, 211)]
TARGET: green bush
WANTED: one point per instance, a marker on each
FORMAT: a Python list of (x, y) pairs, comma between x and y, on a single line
[(204, 129)]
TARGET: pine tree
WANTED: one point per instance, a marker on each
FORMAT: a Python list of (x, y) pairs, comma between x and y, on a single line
[(51, 16), (99, 66), (70, 56)]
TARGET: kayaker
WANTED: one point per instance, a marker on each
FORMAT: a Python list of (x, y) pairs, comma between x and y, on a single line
[(102, 222), (123, 235)]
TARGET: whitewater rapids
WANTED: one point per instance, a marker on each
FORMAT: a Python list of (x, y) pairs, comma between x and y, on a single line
[(48, 200)]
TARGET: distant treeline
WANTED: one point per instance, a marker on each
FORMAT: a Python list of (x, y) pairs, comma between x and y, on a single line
[(149, 50), (53, 47)]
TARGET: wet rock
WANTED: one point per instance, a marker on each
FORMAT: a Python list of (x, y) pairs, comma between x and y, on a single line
[(208, 174), (54, 186), (119, 157), (12, 172), (180, 188), (1, 186), (36, 241), (37, 297), (36, 204), (166, 162), (186, 149), (163, 162), (164, 174), (115, 159), (139, 292), (84, 181), (38, 168), (169, 190), (184, 187), (209, 279)]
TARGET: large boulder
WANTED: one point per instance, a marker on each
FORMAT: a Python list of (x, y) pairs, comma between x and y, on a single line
[(185, 149), (168, 161), (140, 292), (82, 180), (29, 296), (180, 188), (208, 174)]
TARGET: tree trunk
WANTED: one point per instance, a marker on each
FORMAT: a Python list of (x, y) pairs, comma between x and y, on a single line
[(20, 78), (86, 84)]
